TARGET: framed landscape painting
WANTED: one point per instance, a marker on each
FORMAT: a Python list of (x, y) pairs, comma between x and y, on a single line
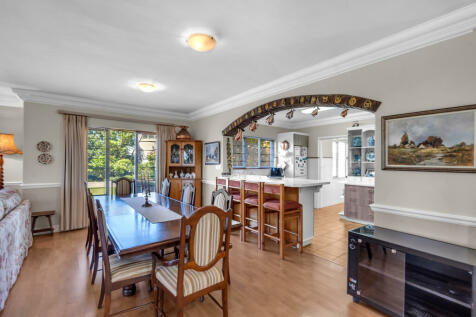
[(435, 141), (212, 153)]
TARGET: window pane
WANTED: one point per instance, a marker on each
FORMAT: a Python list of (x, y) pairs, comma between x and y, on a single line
[(266, 153), (146, 159), (97, 161), (251, 152), (341, 160), (237, 159), (121, 154)]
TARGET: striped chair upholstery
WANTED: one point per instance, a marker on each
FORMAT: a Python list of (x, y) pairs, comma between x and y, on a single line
[(165, 187), (220, 201), (129, 268), (193, 281), (188, 194), (123, 186), (207, 239)]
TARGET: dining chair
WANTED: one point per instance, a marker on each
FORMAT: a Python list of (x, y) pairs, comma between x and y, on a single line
[(89, 237), (188, 279), (124, 186), (119, 272), (165, 187), (285, 210), (188, 194), (251, 209)]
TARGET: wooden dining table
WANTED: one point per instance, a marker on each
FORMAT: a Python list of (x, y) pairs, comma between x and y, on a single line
[(132, 234)]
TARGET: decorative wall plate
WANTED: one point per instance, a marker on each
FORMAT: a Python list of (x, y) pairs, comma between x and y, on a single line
[(45, 158), (43, 146)]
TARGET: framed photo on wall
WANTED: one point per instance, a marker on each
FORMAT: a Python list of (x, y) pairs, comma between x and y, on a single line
[(212, 153), (439, 140)]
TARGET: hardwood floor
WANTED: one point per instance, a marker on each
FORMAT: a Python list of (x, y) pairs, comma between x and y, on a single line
[(330, 234), (55, 281)]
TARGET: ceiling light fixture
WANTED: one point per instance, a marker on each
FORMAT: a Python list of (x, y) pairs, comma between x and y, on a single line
[(290, 114), (147, 87), (201, 42)]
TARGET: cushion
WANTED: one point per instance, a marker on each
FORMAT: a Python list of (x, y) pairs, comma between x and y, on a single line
[(252, 200), (236, 197), (220, 201), (127, 268), (9, 200), (193, 281), (288, 205)]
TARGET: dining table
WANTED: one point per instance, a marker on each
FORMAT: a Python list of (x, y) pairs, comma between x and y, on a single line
[(132, 234)]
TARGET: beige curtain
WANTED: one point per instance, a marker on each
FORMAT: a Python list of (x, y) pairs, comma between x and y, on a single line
[(73, 197), (164, 133)]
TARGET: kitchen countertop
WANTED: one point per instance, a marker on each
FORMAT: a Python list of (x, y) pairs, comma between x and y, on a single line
[(287, 181), (360, 181)]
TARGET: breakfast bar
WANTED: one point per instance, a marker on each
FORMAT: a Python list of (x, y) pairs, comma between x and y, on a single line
[(296, 189)]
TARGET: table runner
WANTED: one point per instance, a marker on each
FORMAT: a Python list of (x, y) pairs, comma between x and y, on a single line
[(154, 214)]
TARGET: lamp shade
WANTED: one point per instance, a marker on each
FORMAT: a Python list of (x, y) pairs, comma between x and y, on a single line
[(7, 144)]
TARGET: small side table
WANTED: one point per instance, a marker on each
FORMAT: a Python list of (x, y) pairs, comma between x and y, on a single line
[(36, 214)]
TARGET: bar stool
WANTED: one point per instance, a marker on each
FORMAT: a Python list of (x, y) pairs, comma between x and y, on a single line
[(285, 210), (234, 188), (252, 200)]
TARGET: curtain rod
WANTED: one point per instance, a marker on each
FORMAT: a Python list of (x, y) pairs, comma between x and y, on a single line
[(106, 117)]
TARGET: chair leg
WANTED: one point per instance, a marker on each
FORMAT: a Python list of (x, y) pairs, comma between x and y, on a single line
[(51, 224), (88, 237), (180, 312), (156, 300), (282, 239), (229, 278), (95, 270), (90, 245), (224, 301), (161, 301), (93, 256), (107, 305), (243, 229), (101, 297)]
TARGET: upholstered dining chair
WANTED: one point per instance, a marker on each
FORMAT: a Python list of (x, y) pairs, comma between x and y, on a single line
[(188, 193), (89, 237), (124, 186), (188, 279), (119, 272), (165, 190)]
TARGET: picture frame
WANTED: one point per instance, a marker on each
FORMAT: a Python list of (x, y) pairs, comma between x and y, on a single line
[(440, 140), (212, 153)]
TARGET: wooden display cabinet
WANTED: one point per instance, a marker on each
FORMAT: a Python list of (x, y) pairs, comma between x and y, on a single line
[(184, 156)]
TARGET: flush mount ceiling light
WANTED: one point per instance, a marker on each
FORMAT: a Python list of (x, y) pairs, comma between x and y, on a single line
[(201, 42), (147, 87)]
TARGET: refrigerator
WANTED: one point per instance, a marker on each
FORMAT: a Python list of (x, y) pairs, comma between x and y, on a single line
[(300, 161), (293, 157)]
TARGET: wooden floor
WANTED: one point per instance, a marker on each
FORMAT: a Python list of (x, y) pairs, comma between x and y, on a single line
[(55, 281), (330, 234)]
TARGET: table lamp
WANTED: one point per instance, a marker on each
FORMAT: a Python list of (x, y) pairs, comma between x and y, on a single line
[(7, 146)]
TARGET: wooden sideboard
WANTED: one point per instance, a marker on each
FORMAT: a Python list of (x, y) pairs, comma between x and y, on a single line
[(357, 199), (184, 156)]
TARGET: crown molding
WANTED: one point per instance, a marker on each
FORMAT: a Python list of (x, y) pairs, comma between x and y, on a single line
[(37, 96), (445, 27), (363, 115)]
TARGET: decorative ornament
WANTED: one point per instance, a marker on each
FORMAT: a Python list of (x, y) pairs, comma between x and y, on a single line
[(45, 158), (343, 114), (290, 114), (315, 112), (253, 126), (43, 146), (270, 119), (355, 124), (183, 134), (367, 104), (352, 101), (239, 134)]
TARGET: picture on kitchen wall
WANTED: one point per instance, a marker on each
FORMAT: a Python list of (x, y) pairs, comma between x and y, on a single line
[(436, 140), (212, 153)]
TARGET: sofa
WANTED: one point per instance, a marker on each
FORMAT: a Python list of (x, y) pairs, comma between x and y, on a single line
[(15, 238)]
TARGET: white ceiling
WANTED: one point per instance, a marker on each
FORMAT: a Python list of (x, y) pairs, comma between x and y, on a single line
[(96, 49)]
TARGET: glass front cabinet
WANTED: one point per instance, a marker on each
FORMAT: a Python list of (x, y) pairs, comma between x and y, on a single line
[(188, 153), (174, 154)]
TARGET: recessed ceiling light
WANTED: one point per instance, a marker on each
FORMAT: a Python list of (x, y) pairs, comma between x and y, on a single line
[(147, 87), (310, 110), (201, 42)]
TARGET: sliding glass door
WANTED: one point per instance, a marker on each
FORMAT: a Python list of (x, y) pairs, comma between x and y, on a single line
[(113, 154)]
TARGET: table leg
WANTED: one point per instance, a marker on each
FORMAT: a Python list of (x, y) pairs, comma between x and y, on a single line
[(129, 290)]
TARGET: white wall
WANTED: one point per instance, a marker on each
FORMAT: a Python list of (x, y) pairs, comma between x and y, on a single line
[(11, 121)]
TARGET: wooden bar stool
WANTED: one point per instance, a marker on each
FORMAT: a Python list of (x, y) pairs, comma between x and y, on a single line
[(286, 210), (36, 214), (251, 200), (234, 188)]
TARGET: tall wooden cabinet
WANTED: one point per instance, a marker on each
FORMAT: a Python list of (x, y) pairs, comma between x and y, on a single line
[(184, 156)]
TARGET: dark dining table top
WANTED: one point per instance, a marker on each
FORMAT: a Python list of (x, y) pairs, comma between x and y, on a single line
[(132, 234)]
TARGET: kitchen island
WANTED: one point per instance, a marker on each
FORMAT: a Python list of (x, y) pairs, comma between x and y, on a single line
[(296, 189)]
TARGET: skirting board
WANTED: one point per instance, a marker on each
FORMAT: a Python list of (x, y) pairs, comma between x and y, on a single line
[(425, 215), (342, 216)]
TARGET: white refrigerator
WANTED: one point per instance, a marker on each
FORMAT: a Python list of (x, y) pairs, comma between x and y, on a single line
[(300, 161)]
